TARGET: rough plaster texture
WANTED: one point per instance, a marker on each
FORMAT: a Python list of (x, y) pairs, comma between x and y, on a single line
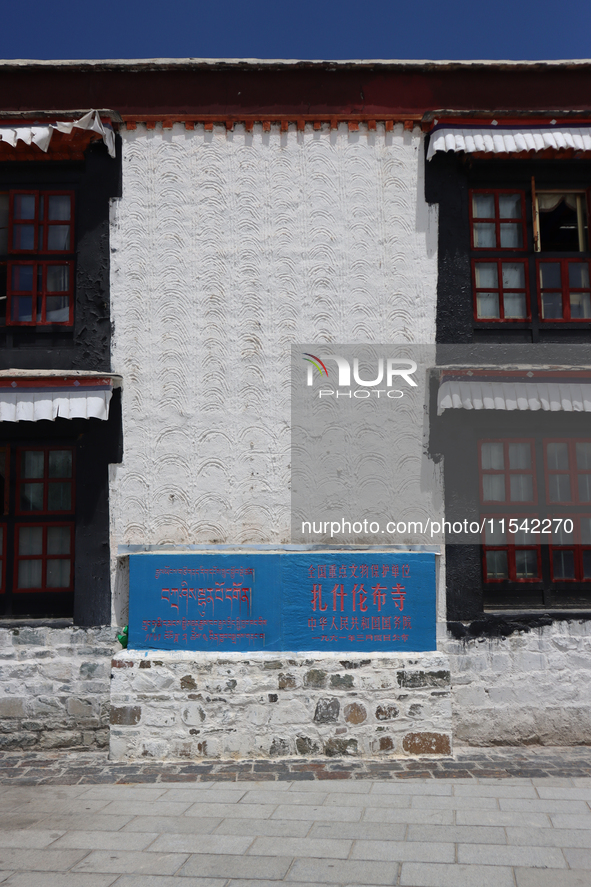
[(226, 249), (171, 706), (531, 688), (54, 687)]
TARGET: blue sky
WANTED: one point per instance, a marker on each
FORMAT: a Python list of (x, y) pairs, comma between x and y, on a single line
[(313, 29)]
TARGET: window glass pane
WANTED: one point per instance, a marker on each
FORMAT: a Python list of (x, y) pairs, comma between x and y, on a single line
[(22, 278), (484, 235), (511, 235), (483, 206), (496, 565), (519, 455), (514, 305), (32, 463), (493, 487), (4, 481), (31, 497), (4, 201), (559, 488), (526, 564), (578, 275), (494, 535), (58, 207), (492, 456), (58, 278), (22, 307), (486, 275), (558, 222), (587, 565), (521, 537), (513, 275), (521, 487), (23, 237), (583, 448), (564, 564), (58, 573), (24, 206), (560, 536), (585, 524), (41, 208), (58, 540), (557, 456), (551, 306), (30, 540), (58, 237), (60, 463), (584, 484), (550, 275), (580, 305), (487, 305), (510, 206), (57, 309), (29, 574), (59, 497)]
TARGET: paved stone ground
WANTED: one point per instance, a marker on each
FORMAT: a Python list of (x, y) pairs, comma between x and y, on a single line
[(244, 827)]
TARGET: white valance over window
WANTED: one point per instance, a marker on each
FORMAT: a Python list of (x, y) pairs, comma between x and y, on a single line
[(499, 139), (33, 395), (40, 134), (569, 397)]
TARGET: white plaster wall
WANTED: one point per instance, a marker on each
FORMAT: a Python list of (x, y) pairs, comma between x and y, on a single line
[(226, 249), (531, 688)]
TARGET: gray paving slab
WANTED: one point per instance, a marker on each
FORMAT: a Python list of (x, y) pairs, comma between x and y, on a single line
[(81, 822), (434, 802), (168, 881), (563, 781), (420, 874), (241, 811), (465, 834), (504, 854), (315, 798), (184, 843), (153, 808), (551, 878), (540, 806), (549, 837), (129, 861), (565, 820), (270, 868), (578, 858), (410, 814), (33, 838), (502, 818), (270, 828), (342, 871), (377, 800), (80, 840), (10, 820), (349, 786), (63, 879), (371, 831), (551, 792), (397, 851), (580, 781), (123, 793), (16, 859), (210, 796), (477, 790), (411, 787), (4, 876), (181, 786), (47, 804), (321, 848), (191, 825), (257, 882), (318, 814)]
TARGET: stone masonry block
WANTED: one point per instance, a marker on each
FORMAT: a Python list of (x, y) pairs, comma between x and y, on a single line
[(125, 715), (427, 744), (327, 711), (12, 707), (355, 713)]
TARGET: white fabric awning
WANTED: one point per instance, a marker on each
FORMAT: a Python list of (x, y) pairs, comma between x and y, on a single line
[(569, 397), (498, 139), (40, 134), (31, 406)]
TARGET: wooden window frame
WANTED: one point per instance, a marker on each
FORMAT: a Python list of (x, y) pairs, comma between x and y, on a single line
[(43, 224), (507, 502), (44, 557), (511, 548), (572, 471), (497, 221), (565, 289), (45, 480), (501, 290), (577, 547), (34, 294)]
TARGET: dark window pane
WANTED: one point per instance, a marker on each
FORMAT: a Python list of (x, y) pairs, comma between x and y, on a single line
[(58, 237), (559, 488), (32, 497), (58, 540), (58, 573), (550, 275), (496, 565), (510, 206), (32, 463), (580, 306), (57, 309), (60, 463), (586, 530), (578, 275), (564, 564), (30, 540), (22, 307), (492, 456), (557, 456), (511, 235), (514, 305), (59, 207), (519, 455), (23, 237), (587, 565), (559, 230), (59, 497), (493, 488), (484, 235), (513, 275), (22, 278), (584, 484), (487, 305), (551, 306), (29, 574), (526, 564), (24, 206), (58, 278), (486, 275), (483, 206), (584, 454)]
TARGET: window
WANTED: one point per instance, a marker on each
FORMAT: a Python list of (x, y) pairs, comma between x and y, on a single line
[(500, 290), (511, 552), (560, 221), (44, 557), (507, 471), (568, 471), (497, 219), (565, 291), (36, 258), (570, 552)]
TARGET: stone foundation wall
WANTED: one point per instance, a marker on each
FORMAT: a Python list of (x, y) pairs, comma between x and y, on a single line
[(54, 687), (530, 688), (171, 706)]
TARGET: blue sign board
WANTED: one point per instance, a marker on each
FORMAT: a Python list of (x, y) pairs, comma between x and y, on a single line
[(285, 601)]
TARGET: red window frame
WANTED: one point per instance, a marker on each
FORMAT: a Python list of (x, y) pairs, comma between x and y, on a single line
[(565, 289), (497, 220), (501, 290), (507, 472), (44, 557), (46, 480), (572, 471), (42, 225), (510, 548), (577, 547), (34, 294)]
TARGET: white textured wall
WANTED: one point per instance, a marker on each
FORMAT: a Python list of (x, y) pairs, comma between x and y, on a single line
[(227, 248), (531, 688)]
